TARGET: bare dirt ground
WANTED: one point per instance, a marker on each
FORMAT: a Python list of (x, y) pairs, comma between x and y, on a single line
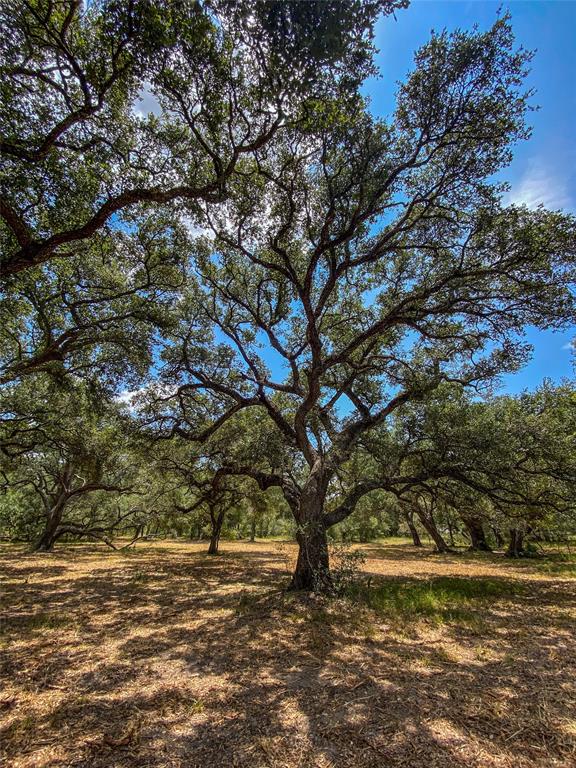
[(163, 656)]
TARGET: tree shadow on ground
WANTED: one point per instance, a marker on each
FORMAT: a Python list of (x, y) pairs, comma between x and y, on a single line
[(194, 661)]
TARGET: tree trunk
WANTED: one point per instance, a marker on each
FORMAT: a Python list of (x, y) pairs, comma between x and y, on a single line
[(477, 535), (497, 537), (429, 524), (413, 530), (216, 521), (253, 529), (516, 543), (313, 565), (50, 533)]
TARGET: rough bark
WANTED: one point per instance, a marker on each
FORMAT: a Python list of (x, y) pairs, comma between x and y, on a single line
[(515, 543), (50, 533), (312, 570), (427, 520), (217, 520), (413, 530), (313, 565)]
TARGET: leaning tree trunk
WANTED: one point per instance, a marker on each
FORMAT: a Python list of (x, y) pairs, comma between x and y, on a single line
[(217, 521), (313, 565), (50, 533), (413, 530), (429, 524), (478, 540), (516, 543)]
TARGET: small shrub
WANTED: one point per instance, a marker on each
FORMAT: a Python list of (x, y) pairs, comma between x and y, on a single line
[(346, 568)]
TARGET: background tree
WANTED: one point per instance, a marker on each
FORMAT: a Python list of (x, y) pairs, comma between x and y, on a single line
[(494, 463), (79, 451), (204, 493)]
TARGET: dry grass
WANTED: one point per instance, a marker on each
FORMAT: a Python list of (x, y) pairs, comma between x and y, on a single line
[(166, 657)]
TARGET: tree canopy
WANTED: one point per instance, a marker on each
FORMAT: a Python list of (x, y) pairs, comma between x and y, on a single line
[(228, 77)]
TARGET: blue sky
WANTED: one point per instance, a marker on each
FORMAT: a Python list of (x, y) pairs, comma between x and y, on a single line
[(544, 168)]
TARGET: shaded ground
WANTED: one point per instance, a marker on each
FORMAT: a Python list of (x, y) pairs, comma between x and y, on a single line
[(166, 657)]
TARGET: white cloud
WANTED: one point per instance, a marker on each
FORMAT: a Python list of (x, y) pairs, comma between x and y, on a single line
[(125, 397), (195, 229), (541, 184), (147, 102), (133, 397)]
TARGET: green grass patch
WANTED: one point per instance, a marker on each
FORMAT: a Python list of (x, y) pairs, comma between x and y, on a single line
[(554, 563), (560, 563), (443, 599)]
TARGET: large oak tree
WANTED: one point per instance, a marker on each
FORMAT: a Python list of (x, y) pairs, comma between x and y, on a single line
[(358, 265)]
